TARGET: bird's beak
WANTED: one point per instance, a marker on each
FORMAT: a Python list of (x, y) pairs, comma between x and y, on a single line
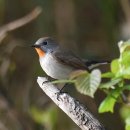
[(35, 46)]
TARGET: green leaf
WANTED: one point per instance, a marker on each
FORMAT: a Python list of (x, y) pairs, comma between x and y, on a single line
[(124, 46), (124, 112), (63, 81), (108, 103), (127, 121), (108, 75), (126, 73), (126, 58), (115, 66), (125, 63), (88, 83), (46, 116), (121, 66), (110, 84), (125, 115)]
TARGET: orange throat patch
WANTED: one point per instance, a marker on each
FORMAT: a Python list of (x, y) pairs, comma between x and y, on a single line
[(40, 52)]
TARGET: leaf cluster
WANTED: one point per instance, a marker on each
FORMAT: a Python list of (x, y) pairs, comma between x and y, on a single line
[(88, 83), (118, 75)]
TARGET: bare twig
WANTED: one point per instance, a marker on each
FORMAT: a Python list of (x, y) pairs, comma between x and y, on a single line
[(19, 23), (77, 112)]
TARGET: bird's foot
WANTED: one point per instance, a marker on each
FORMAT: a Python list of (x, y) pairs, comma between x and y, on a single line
[(60, 93), (45, 82), (49, 79)]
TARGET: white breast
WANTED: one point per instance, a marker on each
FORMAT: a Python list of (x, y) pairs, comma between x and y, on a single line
[(53, 68)]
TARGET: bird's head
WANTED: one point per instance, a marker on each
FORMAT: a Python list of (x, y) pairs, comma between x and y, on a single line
[(44, 45)]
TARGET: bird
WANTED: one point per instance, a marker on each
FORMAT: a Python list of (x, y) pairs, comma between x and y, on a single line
[(58, 62)]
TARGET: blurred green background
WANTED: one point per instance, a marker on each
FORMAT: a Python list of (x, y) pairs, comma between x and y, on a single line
[(91, 28)]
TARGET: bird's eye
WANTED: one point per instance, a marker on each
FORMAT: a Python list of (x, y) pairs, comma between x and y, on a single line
[(45, 43)]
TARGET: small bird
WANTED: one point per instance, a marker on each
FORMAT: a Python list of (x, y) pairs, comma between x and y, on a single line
[(58, 62)]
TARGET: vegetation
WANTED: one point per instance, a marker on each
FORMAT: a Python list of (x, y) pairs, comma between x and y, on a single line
[(89, 28)]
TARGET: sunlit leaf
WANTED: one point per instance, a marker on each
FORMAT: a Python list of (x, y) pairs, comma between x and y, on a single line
[(108, 103), (126, 58), (127, 121), (110, 84), (125, 115), (124, 112), (120, 67), (115, 66), (88, 83), (108, 75), (126, 73), (124, 46), (48, 116)]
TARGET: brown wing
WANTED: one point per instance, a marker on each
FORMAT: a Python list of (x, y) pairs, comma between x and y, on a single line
[(68, 58)]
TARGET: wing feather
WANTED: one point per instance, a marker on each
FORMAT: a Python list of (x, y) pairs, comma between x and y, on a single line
[(70, 59)]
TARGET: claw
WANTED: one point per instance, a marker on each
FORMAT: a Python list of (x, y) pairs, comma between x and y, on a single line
[(45, 82), (58, 96)]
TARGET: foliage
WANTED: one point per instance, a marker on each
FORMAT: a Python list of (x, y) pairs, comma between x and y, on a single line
[(47, 117), (125, 114), (86, 26), (116, 85), (88, 83), (120, 72)]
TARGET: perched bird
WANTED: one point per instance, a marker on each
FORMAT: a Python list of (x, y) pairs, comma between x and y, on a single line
[(57, 62)]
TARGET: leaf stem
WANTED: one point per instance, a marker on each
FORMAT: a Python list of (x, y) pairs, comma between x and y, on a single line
[(63, 81)]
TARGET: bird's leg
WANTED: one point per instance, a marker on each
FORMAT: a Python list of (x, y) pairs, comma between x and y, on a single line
[(49, 79), (66, 85), (61, 90)]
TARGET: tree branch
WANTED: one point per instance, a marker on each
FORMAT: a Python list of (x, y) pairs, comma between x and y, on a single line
[(76, 111), (19, 22)]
